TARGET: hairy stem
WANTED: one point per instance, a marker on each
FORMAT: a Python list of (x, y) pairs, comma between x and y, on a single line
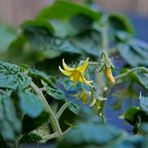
[(54, 121), (99, 76), (130, 71)]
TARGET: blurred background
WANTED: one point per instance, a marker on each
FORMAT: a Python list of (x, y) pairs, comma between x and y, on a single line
[(15, 11)]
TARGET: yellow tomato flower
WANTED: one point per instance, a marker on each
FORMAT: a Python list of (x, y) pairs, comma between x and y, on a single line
[(84, 96), (76, 74)]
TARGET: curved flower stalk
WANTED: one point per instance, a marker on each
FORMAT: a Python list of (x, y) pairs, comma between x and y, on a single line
[(76, 74)]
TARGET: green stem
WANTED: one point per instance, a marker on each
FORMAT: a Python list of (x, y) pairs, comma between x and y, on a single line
[(62, 109), (101, 83), (16, 144), (102, 111), (67, 130), (51, 136), (99, 77), (90, 62), (17, 141), (130, 71), (54, 121), (104, 39), (55, 135)]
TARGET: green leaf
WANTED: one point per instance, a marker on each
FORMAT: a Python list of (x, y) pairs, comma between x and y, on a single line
[(88, 133), (88, 41), (129, 54), (120, 22), (144, 128), (86, 114), (74, 107), (22, 49), (132, 116), (93, 135), (130, 141), (43, 131), (48, 38), (30, 104), (30, 138), (66, 10), (39, 75), (38, 23), (62, 28), (54, 92), (81, 23), (72, 27), (10, 125), (11, 76), (7, 35), (64, 24), (130, 48), (41, 39), (141, 77), (144, 104)]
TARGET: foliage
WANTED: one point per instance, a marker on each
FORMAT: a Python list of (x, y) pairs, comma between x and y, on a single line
[(94, 133), (8, 34), (38, 103)]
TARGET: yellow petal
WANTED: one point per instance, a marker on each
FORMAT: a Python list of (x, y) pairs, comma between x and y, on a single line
[(66, 67), (83, 67), (66, 73), (83, 80)]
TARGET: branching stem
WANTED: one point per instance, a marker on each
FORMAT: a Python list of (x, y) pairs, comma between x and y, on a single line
[(54, 121), (55, 135)]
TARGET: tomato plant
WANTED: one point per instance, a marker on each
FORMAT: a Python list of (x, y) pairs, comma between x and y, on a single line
[(59, 75)]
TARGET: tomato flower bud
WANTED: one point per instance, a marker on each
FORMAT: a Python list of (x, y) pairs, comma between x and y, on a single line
[(109, 76)]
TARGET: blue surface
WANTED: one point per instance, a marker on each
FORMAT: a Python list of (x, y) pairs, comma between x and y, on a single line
[(140, 24)]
